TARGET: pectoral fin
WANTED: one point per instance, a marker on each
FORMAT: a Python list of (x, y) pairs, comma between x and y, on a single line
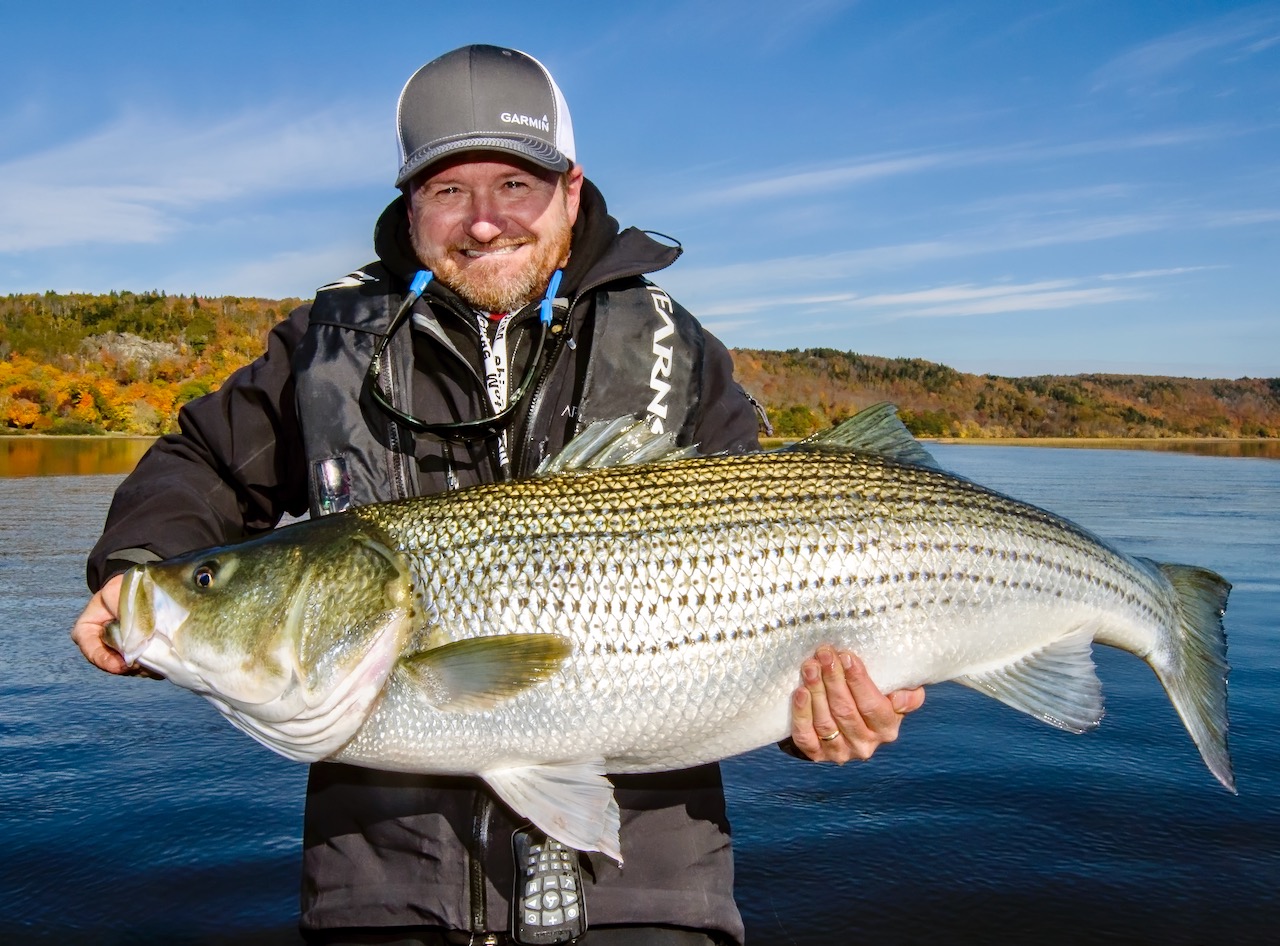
[(481, 672), (1056, 684), (572, 802)]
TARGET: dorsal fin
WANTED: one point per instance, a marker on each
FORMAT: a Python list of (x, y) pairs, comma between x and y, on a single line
[(618, 442), (876, 429)]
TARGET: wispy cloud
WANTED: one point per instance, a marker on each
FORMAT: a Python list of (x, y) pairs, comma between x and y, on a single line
[(964, 299), (137, 179), (1243, 218), (830, 270), (1235, 35), (1156, 273), (792, 183), (784, 183)]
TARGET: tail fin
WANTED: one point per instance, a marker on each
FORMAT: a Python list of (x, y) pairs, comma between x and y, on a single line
[(1194, 672)]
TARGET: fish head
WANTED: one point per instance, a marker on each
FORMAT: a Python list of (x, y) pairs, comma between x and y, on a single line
[(290, 635)]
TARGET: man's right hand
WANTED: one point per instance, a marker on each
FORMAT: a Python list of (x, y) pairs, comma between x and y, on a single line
[(102, 609)]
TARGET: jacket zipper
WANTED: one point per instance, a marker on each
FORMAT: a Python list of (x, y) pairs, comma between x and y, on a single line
[(401, 471), (520, 436), (519, 452), (481, 827)]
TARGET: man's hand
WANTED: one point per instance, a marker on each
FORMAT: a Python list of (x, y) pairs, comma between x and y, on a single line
[(102, 609), (840, 714)]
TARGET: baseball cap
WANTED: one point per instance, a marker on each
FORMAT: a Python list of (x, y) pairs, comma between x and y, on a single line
[(483, 98)]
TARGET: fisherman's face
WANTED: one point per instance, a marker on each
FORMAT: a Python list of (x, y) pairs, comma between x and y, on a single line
[(493, 228)]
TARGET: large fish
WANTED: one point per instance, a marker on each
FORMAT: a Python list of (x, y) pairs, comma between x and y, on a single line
[(635, 608)]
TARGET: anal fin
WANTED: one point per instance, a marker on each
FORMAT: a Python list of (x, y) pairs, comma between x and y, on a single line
[(1056, 684), (570, 801)]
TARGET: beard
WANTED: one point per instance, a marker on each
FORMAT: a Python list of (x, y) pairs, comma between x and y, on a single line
[(486, 284)]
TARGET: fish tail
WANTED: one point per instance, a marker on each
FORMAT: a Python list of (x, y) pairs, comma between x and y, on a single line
[(1194, 668)]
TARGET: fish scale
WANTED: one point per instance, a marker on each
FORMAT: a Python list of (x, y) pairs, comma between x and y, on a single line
[(619, 617)]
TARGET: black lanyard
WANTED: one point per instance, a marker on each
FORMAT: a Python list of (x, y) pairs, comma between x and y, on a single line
[(463, 430)]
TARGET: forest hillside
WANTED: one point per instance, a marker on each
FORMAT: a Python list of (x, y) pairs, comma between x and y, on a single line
[(126, 362), (805, 390)]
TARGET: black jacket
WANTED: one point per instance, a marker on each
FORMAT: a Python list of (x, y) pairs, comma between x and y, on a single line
[(388, 849)]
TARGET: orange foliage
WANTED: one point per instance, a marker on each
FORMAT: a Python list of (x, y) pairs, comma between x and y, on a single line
[(121, 362)]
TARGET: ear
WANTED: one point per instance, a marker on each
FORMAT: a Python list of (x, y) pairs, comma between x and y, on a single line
[(572, 182), (408, 191)]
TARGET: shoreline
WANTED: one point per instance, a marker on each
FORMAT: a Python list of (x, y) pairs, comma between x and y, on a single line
[(38, 435), (1098, 441), (1261, 445), (1261, 448), (6, 434)]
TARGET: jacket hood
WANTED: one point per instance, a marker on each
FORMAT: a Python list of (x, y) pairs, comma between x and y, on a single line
[(600, 252)]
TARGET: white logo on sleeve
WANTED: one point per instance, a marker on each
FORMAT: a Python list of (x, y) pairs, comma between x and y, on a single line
[(350, 281), (660, 374)]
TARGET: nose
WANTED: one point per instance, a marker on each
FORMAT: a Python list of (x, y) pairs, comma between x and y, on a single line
[(486, 221)]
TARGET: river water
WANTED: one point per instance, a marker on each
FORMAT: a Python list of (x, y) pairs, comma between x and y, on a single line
[(130, 812)]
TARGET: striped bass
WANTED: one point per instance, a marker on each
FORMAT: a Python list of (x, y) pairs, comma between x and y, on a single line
[(636, 608)]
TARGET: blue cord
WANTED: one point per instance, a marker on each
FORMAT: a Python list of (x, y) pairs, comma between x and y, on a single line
[(545, 308), (420, 280)]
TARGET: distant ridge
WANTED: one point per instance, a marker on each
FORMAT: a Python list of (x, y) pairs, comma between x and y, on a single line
[(125, 362), (807, 389)]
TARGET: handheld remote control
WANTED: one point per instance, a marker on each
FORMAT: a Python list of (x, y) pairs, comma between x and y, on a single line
[(547, 907)]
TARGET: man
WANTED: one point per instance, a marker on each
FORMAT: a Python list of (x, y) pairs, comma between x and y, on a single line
[(505, 312)]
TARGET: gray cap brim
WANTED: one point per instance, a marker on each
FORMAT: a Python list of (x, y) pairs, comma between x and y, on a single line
[(531, 149)]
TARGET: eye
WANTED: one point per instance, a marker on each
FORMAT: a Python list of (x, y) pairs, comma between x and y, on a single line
[(205, 576)]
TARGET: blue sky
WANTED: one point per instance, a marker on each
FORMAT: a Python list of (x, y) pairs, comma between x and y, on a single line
[(1004, 187)]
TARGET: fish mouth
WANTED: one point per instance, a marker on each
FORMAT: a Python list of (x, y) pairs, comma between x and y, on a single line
[(127, 634), (149, 620)]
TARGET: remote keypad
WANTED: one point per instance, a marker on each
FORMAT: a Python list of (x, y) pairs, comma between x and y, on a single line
[(548, 906)]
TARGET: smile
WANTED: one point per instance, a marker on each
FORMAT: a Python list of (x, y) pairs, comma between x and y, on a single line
[(498, 251)]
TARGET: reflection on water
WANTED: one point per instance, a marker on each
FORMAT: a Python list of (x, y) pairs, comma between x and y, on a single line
[(88, 456), (70, 456), (1253, 449)]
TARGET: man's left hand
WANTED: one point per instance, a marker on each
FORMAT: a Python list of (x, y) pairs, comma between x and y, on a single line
[(838, 713)]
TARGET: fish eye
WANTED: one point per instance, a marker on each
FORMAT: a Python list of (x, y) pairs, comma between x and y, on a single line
[(204, 575)]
